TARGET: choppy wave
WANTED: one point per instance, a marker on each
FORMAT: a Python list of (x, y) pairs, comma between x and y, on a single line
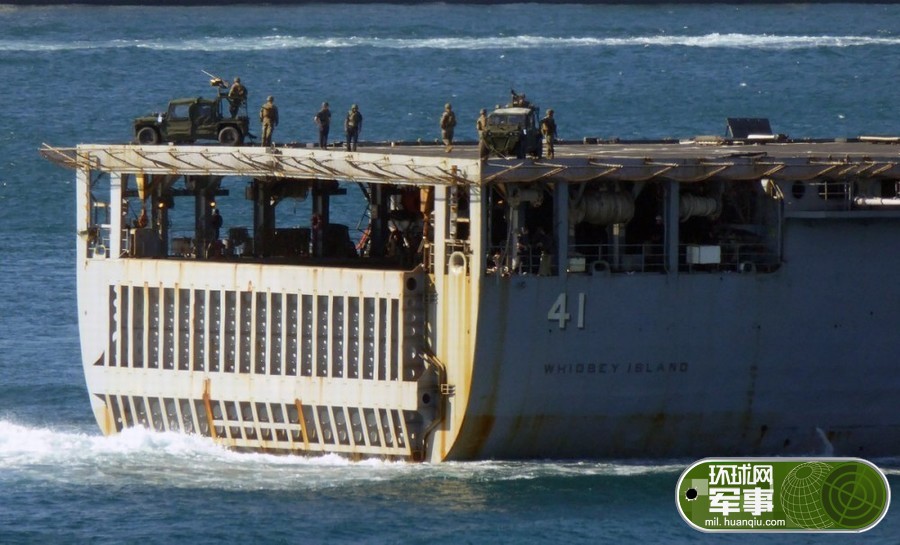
[(287, 42), (139, 456)]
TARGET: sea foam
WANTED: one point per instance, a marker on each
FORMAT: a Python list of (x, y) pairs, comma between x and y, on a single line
[(474, 43)]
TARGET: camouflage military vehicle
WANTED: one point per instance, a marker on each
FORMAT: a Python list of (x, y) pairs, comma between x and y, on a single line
[(513, 131), (192, 119)]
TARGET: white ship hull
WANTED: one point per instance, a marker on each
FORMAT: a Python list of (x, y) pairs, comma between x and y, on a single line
[(669, 348)]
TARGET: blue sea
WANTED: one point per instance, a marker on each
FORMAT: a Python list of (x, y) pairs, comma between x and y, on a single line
[(79, 74)]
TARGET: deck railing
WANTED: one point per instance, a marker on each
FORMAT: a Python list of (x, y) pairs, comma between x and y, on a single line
[(634, 258)]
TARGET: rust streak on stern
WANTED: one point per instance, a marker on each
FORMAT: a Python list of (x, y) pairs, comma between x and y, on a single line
[(302, 421), (209, 413)]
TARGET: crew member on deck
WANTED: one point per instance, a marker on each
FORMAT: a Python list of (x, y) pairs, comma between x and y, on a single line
[(481, 123), (448, 124), (548, 129), (268, 116), (237, 96), (215, 221), (352, 126), (323, 121), (481, 126)]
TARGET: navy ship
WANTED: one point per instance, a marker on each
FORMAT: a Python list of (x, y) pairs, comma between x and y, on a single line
[(711, 296)]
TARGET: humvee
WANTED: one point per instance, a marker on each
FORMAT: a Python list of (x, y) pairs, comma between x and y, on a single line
[(513, 131), (192, 119)]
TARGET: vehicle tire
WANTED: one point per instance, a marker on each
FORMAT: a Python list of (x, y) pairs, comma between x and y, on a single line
[(148, 136), (230, 136)]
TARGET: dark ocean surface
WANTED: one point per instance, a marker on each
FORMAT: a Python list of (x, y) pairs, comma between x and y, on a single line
[(80, 74)]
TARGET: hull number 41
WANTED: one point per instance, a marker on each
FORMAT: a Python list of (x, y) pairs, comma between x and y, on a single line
[(559, 311)]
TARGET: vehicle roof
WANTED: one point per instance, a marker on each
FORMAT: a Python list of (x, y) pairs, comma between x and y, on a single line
[(512, 111), (190, 100)]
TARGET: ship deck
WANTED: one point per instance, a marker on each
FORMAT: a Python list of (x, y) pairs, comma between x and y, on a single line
[(683, 161)]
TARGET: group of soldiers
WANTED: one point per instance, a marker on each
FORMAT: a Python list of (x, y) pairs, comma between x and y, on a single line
[(448, 123), (268, 117)]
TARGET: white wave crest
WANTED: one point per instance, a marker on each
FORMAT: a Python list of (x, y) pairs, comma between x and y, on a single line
[(139, 456), (287, 42)]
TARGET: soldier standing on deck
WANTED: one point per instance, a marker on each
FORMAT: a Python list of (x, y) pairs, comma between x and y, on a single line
[(352, 126), (481, 123), (323, 121), (268, 116), (237, 96), (548, 129), (481, 126), (448, 124)]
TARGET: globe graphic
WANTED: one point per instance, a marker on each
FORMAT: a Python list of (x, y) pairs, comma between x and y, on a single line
[(801, 496)]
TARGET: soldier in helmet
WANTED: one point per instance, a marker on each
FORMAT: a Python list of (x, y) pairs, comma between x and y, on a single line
[(237, 96), (352, 126), (448, 123), (548, 129), (481, 126), (481, 122), (268, 116)]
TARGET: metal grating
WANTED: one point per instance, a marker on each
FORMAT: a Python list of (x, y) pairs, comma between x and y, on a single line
[(270, 426), (260, 333)]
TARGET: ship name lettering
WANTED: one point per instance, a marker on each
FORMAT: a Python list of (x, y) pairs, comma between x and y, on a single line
[(633, 368)]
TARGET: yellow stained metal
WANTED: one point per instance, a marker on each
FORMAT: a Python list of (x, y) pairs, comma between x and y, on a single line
[(209, 413), (302, 424)]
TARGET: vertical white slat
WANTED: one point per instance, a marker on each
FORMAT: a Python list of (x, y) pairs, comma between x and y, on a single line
[(256, 426), (284, 329), (161, 330), (121, 319), (321, 438), (238, 346), (348, 426), (376, 349), (145, 346), (131, 411), (346, 336), (178, 414), (176, 333), (221, 327), (394, 436), (314, 333), (195, 421), (300, 333), (390, 373), (192, 317), (238, 335), (115, 220), (377, 414), (253, 319), (268, 340), (401, 333), (360, 336), (330, 328), (129, 327)]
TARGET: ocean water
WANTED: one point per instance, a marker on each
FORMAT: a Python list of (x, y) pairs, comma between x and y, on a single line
[(80, 74)]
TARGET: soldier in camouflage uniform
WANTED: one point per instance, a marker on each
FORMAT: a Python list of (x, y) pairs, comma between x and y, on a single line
[(481, 123), (352, 126), (268, 116), (548, 129), (448, 124), (237, 96), (481, 126)]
